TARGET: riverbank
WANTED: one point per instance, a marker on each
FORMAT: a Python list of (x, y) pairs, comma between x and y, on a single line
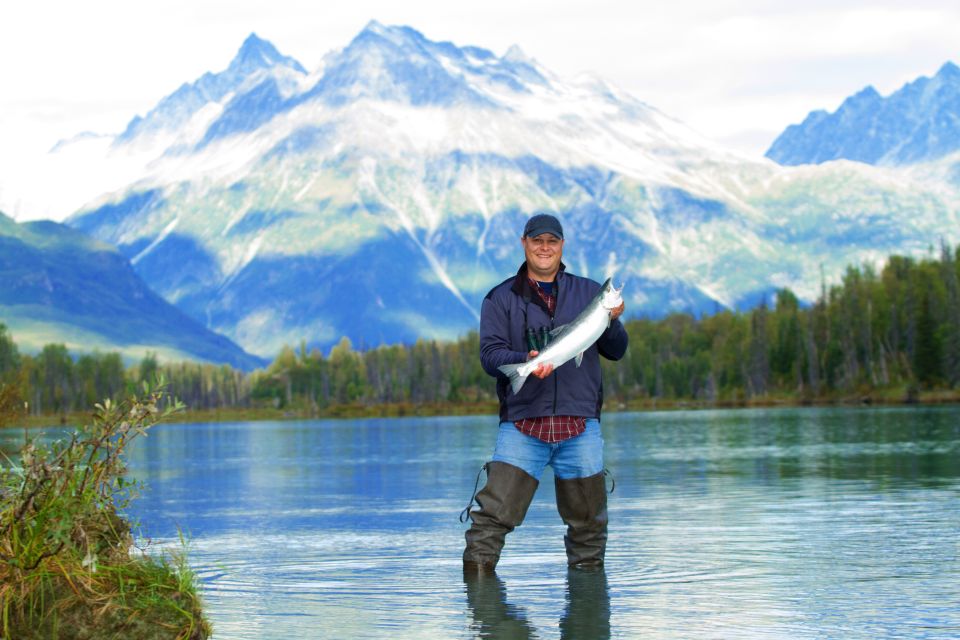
[(888, 397), (67, 560)]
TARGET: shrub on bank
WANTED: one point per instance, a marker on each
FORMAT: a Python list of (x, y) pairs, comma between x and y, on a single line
[(68, 565)]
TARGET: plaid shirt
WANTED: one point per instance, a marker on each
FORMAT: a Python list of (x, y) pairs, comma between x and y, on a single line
[(550, 429)]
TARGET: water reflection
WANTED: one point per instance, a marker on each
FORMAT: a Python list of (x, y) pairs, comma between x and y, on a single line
[(586, 613), (494, 616)]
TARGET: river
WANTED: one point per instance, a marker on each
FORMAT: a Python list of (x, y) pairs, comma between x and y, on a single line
[(755, 523)]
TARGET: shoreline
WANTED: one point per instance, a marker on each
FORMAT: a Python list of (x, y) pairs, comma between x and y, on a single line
[(404, 410)]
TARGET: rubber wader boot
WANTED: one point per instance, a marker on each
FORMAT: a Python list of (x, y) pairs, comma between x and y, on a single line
[(582, 503), (503, 505)]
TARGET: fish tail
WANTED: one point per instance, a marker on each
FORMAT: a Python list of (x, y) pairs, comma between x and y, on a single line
[(512, 372)]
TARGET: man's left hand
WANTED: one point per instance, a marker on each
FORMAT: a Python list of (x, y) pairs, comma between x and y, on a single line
[(543, 369), (616, 312)]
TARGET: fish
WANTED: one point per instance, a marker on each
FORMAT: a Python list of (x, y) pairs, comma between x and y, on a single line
[(569, 341)]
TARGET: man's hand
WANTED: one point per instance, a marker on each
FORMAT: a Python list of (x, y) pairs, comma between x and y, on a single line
[(617, 312), (543, 369)]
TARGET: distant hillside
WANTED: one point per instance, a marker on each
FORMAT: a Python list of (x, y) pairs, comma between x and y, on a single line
[(919, 122), (60, 286)]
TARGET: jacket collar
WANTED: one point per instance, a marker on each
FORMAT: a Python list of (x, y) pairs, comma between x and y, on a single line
[(521, 284)]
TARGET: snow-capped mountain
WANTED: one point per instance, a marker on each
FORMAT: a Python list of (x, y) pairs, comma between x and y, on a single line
[(382, 195), (257, 63), (919, 122)]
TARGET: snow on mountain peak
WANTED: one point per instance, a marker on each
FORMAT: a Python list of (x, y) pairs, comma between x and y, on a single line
[(916, 123), (866, 98), (375, 26), (377, 35), (256, 59), (516, 54), (257, 53), (949, 70)]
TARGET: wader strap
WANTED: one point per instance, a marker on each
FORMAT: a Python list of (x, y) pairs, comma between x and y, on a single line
[(465, 514), (613, 483)]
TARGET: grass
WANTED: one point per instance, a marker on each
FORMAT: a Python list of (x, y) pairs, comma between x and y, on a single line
[(68, 565), (887, 396), (899, 395), (248, 414)]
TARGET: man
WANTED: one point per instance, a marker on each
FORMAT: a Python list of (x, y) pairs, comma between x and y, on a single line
[(554, 418)]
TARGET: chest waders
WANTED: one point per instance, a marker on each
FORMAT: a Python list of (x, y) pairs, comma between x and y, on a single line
[(503, 504), (582, 503)]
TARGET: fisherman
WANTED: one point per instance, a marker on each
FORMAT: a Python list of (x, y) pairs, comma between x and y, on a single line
[(554, 418)]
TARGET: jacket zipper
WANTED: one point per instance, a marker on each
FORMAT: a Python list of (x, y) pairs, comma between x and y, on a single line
[(556, 382)]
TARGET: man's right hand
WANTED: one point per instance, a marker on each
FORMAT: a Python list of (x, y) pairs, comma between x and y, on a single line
[(543, 369)]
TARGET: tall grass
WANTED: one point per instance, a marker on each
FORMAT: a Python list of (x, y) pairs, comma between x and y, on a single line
[(68, 565)]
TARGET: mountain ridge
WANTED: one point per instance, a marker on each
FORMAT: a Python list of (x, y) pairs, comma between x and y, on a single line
[(255, 59), (919, 122), (319, 189), (58, 285)]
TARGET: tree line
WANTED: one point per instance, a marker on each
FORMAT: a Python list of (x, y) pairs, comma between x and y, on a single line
[(897, 330)]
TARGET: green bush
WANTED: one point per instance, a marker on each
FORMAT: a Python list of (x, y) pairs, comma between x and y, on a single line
[(68, 567)]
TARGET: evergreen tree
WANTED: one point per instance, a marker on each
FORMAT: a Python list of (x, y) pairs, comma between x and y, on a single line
[(758, 358), (951, 326), (926, 360), (9, 355)]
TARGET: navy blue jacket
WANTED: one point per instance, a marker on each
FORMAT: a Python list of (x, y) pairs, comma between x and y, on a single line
[(513, 306)]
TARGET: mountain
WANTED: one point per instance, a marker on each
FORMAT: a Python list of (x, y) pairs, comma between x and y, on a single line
[(258, 62), (383, 194), (919, 122), (59, 286)]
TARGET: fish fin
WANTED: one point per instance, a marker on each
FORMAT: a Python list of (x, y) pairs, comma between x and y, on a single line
[(579, 358), (516, 380), (556, 331)]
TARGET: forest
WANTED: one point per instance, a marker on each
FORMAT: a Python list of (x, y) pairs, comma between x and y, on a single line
[(891, 335)]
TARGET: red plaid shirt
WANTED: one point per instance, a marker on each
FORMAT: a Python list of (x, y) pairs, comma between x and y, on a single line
[(551, 429)]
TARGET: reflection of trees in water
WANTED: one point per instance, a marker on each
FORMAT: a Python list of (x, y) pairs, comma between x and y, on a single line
[(586, 614), (915, 445)]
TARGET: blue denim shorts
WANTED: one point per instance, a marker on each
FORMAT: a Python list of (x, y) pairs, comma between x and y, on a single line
[(578, 457)]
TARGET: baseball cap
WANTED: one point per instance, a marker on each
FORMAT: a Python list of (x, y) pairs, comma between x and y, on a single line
[(542, 223)]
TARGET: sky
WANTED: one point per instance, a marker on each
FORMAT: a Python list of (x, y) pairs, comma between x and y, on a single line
[(736, 71)]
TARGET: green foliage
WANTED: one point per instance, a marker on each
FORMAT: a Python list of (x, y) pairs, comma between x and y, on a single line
[(899, 329), (11, 403), (65, 560), (9, 355), (427, 372)]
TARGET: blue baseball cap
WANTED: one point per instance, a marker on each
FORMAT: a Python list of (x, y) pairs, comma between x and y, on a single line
[(542, 223)]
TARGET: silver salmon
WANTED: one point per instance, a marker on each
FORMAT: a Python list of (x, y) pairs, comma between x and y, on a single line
[(569, 341)]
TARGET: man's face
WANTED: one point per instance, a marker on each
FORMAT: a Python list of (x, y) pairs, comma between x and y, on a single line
[(543, 254)]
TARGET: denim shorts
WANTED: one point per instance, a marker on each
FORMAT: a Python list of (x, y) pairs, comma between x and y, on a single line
[(578, 457)]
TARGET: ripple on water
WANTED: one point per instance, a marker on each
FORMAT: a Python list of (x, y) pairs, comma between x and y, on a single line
[(755, 524)]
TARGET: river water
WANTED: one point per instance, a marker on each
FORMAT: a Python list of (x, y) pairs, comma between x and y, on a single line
[(782, 523)]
